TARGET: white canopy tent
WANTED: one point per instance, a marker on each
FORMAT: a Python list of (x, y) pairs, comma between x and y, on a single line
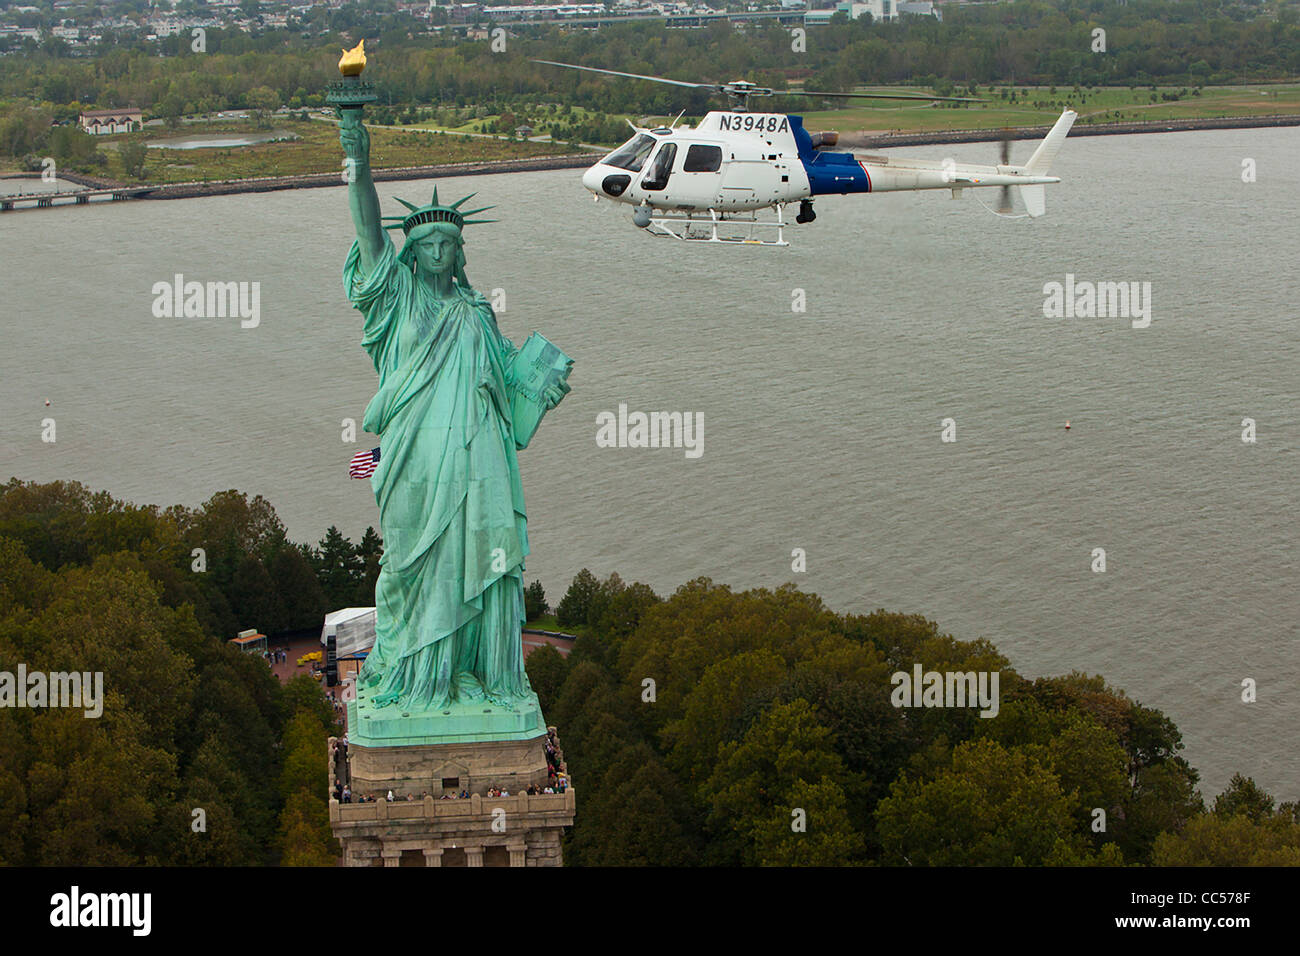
[(353, 629)]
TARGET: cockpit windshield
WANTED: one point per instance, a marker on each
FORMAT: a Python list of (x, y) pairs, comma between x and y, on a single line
[(632, 154)]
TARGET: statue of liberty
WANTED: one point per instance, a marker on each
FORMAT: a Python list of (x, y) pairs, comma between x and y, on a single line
[(456, 400)]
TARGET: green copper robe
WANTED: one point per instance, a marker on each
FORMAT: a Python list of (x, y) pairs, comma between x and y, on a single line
[(449, 600)]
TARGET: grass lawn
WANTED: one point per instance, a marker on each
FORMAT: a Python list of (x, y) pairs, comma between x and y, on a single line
[(1116, 104), (541, 121), (547, 622), (316, 150)]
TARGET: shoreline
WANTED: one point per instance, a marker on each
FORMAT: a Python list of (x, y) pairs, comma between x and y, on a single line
[(226, 187), (391, 174), (857, 140)]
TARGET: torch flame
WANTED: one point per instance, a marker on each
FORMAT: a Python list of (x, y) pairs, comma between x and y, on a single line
[(353, 61)]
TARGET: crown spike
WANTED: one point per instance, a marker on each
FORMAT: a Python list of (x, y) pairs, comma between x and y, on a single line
[(419, 215)]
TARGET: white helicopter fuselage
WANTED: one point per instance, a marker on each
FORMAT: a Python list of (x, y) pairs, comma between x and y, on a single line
[(740, 162)]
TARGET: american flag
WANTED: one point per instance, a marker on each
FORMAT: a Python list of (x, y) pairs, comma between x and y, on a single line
[(363, 463)]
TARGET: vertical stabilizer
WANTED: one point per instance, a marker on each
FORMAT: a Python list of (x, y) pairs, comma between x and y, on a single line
[(1045, 154)]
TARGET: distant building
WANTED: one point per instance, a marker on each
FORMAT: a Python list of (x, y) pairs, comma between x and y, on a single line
[(103, 122), (879, 10), (922, 9), (166, 27)]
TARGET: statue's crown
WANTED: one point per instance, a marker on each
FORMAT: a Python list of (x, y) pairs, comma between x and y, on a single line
[(433, 212)]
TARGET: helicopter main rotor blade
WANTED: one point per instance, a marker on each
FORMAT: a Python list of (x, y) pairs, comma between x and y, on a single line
[(744, 91), (634, 76), (880, 96)]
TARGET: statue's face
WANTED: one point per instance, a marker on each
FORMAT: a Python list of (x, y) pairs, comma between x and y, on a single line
[(436, 253)]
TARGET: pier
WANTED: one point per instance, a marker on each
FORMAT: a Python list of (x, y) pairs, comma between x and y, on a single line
[(72, 197)]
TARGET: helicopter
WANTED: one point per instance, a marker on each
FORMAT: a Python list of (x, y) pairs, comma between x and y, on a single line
[(711, 182)]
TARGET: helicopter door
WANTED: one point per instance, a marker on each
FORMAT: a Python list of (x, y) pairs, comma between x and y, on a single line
[(656, 177), (700, 177)]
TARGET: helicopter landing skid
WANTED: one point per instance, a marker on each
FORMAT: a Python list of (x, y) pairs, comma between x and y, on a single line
[(720, 227)]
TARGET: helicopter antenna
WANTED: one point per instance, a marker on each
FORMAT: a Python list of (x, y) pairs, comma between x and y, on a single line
[(673, 124)]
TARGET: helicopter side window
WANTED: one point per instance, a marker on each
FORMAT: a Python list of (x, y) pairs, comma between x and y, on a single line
[(661, 168), (703, 159), (632, 154)]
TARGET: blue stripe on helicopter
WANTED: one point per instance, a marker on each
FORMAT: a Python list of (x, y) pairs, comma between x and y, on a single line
[(828, 172)]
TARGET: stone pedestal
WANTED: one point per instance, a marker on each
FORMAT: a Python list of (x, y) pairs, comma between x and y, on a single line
[(464, 722), (518, 830), (450, 768)]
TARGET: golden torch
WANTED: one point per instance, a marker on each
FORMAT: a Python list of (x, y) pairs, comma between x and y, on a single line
[(353, 61), (350, 95)]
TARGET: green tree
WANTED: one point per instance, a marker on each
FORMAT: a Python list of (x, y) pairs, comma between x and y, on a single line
[(304, 756), (302, 695), (547, 670), (617, 610), (305, 838), (255, 599), (299, 590), (535, 605), (713, 708), (1164, 799), (262, 101), (339, 568), (369, 551), (994, 806), (1215, 840), (133, 155), (784, 761), (573, 607), (637, 814), (1244, 797)]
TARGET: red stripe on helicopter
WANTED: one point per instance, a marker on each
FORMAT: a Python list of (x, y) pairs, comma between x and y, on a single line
[(865, 173)]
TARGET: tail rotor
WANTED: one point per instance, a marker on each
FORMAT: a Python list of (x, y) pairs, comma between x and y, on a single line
[(1005, 204)]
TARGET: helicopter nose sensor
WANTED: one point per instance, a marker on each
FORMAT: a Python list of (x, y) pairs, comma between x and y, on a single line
[(614, 184)]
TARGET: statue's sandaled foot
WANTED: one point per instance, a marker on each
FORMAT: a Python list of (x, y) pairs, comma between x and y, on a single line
[(468, 687)]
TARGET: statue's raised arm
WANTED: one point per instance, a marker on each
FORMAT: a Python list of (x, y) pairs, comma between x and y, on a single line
[(363, 200)]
